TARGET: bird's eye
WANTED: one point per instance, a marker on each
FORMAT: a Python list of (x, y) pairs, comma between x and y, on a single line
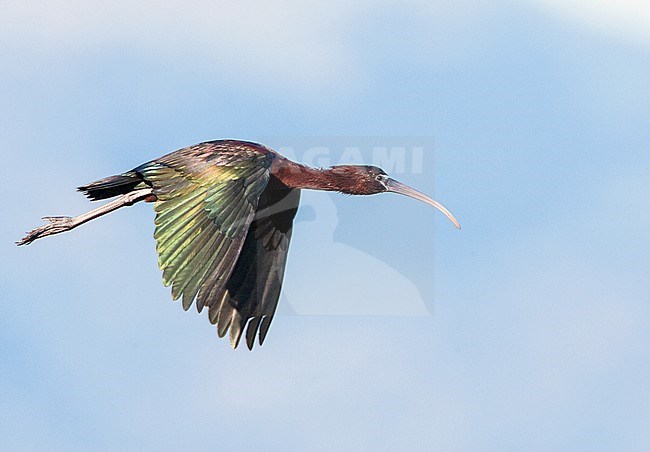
[(380, 177)]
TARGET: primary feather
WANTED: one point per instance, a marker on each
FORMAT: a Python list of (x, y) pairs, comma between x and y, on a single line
[(222, 230)]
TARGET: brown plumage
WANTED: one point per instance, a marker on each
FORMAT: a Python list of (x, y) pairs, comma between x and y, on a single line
[(224, 216)]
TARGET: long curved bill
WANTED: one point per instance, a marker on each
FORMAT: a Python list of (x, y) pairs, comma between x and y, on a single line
[(397, 187)]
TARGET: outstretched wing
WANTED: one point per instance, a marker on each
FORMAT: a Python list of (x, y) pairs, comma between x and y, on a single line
[(253, 290), (207, 196)]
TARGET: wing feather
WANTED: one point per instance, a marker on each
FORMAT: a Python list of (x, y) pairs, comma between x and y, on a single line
[(202, 261), (253, 289), (223, 226), (206, 198)]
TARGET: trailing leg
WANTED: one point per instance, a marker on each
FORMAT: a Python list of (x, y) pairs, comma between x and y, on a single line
[(56, 225)]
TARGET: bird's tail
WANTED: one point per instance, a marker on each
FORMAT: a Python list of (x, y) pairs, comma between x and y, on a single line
[(112, 186)]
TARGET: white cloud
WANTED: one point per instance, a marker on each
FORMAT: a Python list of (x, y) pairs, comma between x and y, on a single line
[(311, 44), (623, 19), (264, 39)]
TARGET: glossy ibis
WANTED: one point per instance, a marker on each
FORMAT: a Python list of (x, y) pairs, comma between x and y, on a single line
[(224, 214)]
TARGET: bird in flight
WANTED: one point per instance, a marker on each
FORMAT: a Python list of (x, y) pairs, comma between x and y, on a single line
[(224, 215)]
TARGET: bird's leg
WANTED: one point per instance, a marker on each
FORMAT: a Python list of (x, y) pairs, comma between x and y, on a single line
[(57, 225)]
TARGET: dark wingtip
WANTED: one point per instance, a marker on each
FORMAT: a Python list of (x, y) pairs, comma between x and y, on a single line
[(264, 328), (235, 337), (251, 331)]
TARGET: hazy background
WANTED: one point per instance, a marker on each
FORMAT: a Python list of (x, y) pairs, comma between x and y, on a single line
[(532, 324)]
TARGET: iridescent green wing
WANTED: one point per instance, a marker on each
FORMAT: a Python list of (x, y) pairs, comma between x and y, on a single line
[(253, 290), (207, 196)]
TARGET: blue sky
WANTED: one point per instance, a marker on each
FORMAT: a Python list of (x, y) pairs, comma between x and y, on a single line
[(527, 330)]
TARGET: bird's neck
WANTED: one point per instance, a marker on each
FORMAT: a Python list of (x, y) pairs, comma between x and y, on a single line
[(295, 175)]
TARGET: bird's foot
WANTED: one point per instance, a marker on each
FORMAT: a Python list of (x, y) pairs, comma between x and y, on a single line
[(55, 225)]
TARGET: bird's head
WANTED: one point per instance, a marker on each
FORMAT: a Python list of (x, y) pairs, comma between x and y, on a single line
[(369, 180)]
